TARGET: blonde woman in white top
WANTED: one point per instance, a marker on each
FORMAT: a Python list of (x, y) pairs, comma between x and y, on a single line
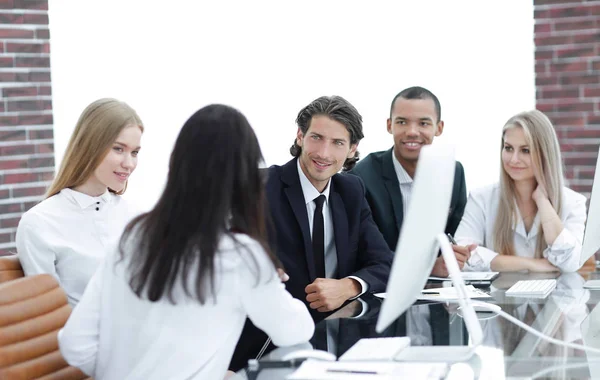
[(530, 220), (172, 299), (69, 232)]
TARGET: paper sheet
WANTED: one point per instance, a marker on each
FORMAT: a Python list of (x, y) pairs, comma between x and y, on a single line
[(324, 370), (446, 294)]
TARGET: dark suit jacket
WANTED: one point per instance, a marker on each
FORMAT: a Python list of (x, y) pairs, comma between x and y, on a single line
[(361, 249), (384, 197)]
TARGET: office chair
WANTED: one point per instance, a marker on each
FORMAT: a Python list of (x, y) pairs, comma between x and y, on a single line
[(10, 268), (32, 311)]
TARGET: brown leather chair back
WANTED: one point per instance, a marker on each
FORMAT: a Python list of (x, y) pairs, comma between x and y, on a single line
[(10, 268), (32, 311)]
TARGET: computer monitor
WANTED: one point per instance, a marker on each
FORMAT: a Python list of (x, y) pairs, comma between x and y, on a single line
[(421, 236), (426, 218), (591, 237)]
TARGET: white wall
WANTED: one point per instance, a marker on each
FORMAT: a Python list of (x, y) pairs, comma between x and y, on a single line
[(271, 58)]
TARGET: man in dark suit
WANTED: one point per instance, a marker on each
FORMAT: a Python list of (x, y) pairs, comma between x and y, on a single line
[(415, 119), (321, 224)]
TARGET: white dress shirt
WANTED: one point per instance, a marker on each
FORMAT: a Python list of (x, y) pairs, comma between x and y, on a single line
[(477, 226), (331, 262), (68, 234), (405, 181), (113, 334)]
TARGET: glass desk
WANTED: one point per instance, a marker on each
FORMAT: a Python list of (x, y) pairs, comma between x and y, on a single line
[(569, 313)]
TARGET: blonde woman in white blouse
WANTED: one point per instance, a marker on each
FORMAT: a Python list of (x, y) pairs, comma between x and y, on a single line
[(171, 300), (69, 232), (530, 220)]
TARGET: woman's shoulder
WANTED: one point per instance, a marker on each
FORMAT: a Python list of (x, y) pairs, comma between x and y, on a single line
[(232, 243), (572, 197), (486, 191), (242, 250), (47, 209)]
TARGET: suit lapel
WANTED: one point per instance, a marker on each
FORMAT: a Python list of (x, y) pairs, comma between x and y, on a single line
[(340, 229), (392, 186), (296, 198)]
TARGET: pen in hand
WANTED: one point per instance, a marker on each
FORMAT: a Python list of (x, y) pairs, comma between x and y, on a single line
[(451, 239)]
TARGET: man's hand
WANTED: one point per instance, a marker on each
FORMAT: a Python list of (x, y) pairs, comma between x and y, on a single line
[(326, 294)]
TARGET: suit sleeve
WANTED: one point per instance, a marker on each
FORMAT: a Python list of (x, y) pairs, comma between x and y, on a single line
[(461, 200), (375, 257)]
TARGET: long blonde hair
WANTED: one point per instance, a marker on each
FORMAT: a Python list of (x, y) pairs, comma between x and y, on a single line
[(97, 129), (547, 163)]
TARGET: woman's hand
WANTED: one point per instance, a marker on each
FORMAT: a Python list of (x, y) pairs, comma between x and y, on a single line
[(282, 275), (539, 193)]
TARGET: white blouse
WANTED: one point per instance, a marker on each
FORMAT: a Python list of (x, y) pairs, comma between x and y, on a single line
[(477, 226), (68, 234), (113, 334)]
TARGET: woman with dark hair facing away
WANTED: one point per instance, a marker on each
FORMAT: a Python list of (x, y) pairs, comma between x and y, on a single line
[(67, 234), (171, 301)]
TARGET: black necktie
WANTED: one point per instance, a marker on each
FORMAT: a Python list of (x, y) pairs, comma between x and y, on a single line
[(318, 237)]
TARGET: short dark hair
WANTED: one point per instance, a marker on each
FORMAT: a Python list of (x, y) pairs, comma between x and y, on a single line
[(417, 92), (336, 108), (214, 189)]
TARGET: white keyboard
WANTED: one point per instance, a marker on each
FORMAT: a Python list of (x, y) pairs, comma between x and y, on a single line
[(370, 349), (532, 288)]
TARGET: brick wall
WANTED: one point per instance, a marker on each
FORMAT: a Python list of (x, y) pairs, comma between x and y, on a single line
[(567, 68), (26, 134)]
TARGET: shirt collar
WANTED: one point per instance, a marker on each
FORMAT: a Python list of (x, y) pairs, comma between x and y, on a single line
[(403, 176), (84, 200), (309, 191)]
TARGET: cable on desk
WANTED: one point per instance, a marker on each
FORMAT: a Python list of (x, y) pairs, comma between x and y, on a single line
[(546, 371), (510, 318)]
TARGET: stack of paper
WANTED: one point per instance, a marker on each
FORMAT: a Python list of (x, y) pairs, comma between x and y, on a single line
[(324, 370)]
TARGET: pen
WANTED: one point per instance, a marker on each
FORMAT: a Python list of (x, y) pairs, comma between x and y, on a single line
[(451, 239), (332, 370)]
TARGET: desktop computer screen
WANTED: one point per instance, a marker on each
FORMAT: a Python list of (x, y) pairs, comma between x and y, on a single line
[(426, 218), (591, 237)]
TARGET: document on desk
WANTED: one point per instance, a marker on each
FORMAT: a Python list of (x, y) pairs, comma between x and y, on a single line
[(450, 294), (446, 294), (470, 276), (324, 370)]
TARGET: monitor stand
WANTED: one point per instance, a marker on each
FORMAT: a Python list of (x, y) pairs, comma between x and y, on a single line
[(449, 354)]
